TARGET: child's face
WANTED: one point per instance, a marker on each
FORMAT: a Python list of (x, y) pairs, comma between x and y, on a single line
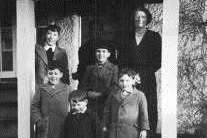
[(102, 55), (54, 76), (52, 37), (79, 106), (126, 82)]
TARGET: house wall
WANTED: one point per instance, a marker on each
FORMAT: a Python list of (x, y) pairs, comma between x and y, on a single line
[(191, 100)]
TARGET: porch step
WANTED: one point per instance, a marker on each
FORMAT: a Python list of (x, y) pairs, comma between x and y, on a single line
[(8, 129), (8, 109)]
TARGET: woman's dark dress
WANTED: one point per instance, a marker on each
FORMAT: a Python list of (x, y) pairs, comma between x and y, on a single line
[(145, 59)]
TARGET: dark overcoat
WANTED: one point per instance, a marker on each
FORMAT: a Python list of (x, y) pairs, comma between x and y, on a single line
[(50, 103), (100, 80), (41, 62), (145, 59), (126, 117), (82, 125)]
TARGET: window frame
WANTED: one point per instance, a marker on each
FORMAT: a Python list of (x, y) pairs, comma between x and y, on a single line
[(9, 74)]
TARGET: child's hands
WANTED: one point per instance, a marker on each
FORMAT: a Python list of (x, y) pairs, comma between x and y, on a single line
[(104, 129), (143, 134), (93, 94)]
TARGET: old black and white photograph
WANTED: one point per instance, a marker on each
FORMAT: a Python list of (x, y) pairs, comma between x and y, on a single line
[(94, 69)]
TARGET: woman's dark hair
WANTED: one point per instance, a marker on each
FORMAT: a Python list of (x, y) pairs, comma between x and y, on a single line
[(53, 28), (146, 11), (127, 71), (77, 95)]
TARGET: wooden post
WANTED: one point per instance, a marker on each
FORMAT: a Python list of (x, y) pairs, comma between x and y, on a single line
[(169, 69), (25, 35)]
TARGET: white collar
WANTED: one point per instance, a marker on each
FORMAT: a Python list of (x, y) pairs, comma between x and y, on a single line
[(46, 47)]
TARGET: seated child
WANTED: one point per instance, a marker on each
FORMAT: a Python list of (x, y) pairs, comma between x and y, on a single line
[(125, 113), (81, 122), (99, 78), (50, 104)]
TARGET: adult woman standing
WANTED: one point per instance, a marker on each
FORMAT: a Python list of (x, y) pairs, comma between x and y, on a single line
[(144, 56)]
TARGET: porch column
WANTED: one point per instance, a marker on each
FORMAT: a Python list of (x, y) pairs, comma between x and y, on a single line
[(25, 63), (169, 68)]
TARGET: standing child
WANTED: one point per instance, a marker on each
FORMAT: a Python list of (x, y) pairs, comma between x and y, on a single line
[(99, 78), (81, 122), (50, 104), (125, 114)]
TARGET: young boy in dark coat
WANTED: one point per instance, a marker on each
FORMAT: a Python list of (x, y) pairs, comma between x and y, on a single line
[(81, 122), (99, 78)]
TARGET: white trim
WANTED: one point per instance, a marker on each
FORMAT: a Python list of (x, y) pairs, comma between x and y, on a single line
[(8, 74), (0, 52), (14, 41), (169, 68), (25, 45)]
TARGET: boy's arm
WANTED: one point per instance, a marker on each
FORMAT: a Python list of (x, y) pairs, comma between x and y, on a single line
[(115, 75), (114, 81), (107, 114), (143, 113), (35, 107), (84, 84), (67, 127)]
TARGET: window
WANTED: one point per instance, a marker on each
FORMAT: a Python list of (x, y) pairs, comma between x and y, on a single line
[(7, 40)]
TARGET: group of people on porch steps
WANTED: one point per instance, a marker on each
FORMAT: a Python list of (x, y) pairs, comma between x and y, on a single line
[(112, 101)]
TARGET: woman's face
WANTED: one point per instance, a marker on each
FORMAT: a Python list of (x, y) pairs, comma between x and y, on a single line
[(140, 19)]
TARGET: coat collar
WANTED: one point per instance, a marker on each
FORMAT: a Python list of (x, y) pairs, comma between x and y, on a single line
[(57, 89), (40, 50), (41, 53), (127, 99)]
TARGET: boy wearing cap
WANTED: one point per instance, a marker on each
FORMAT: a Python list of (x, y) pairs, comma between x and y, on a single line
[(99, 78)]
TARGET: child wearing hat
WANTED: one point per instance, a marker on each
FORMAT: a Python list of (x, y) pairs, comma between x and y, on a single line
[(50, 104), (99, 78), (81, 122)]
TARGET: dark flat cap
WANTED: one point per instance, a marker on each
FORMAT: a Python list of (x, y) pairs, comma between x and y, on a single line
[(104, 44)]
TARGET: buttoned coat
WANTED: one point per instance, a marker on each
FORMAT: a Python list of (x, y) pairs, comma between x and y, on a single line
[(100, 80), (50, 103), (41, 62), (126, 117)]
